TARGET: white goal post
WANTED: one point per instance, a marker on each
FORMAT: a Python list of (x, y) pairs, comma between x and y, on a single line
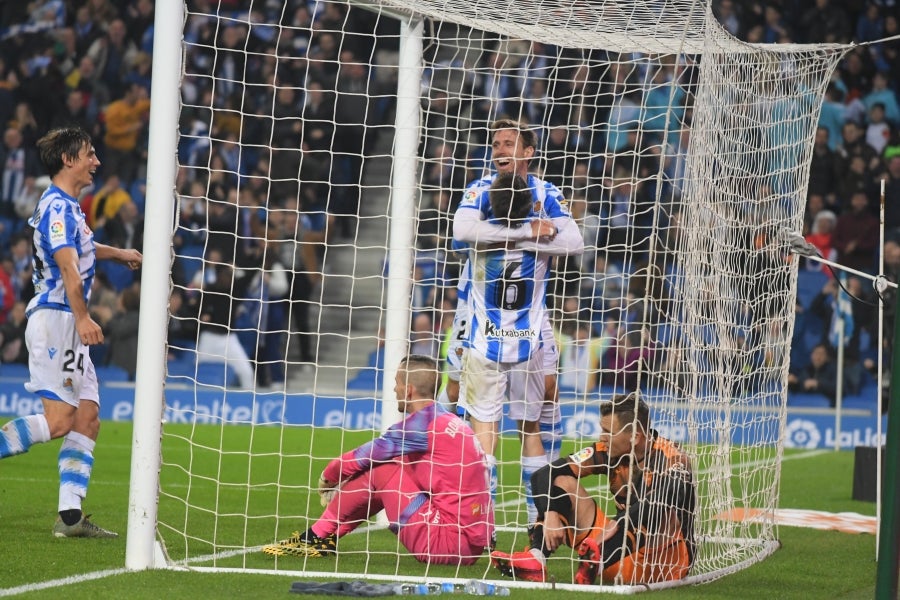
[(311, 155)]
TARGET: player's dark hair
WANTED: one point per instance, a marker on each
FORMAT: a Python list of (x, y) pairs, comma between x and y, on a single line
[(526, 134), (510, 199), (66, 142), (627, 408), (421, 372)]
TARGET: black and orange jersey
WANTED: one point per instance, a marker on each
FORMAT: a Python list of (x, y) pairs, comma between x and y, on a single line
[(650, 497), (668, 490)]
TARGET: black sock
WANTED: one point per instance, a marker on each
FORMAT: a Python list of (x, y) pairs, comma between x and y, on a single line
[(537, 539), (71, 516)]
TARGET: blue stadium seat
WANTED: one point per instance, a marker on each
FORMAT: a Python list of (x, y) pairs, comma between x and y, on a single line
[(136, 191), (185, 370), (366, 379), (216, 373), (183, 366), (805, 400), (17, 370), (190, 259), (859, 402), (120, 276), (809, 284), (110, 373), (98, 353)]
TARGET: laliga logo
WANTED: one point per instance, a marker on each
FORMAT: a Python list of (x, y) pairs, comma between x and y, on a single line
[(801, 433)]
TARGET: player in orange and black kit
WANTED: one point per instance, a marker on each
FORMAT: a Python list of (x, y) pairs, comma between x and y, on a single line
[(650, 539)]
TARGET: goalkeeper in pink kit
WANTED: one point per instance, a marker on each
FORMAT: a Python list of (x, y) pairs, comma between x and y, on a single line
[(427, 472)]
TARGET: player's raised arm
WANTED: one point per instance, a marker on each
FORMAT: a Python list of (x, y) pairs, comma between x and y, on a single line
[(126, 256), (470, 226), (567, 241)]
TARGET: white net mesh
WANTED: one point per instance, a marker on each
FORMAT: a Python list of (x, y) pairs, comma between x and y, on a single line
[(683, 155)]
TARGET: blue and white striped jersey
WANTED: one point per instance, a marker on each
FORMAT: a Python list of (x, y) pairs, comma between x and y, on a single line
[(59, 222), (465, 279), (507, 292)]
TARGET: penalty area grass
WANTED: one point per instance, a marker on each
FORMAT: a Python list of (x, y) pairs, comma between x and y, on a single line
[(810, 564)]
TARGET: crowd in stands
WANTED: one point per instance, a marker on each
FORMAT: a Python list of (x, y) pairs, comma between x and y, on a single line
[(602, 130), (249, 145), (88, 63)]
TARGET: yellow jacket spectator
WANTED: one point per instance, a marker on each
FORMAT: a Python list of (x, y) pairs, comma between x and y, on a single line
[(125, 121), (107, 202)]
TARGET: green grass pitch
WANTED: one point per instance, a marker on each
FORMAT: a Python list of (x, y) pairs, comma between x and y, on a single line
[(810, 564)]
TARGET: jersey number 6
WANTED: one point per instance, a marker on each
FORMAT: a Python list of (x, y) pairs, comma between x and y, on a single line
[(510, 293)]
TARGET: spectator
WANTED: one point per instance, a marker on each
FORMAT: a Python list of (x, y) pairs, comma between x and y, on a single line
[(728, 16), (854, 144), (855, 72), (823, 168), (217, 341), (20, 253), (589, 224), (775, 28), (286, 141), (856, 236), (857, 332), (558, 160), (140, 72), (139, 22), (300, 254), (819, 376), (113, 54), (869, 24), (104, 299), (882, 94), (20, 167), (627, 359), (102, 11), (273, 317), (7, 291), (84, 79), (121, 331), (106, 202), (74, 113), (86, 30), (603, 286), (886, 55), (190, 229), (23, 120), (820, 236), (9, 82), (826, 21), (126, 228), (425, 337), (856, 178), (443, 172), (182, 326), (12, 336), (892, 193), (435, 231), (351, 142), (878, 131), (833, 115), (221, 216), (126, 120), (627, 218), (580, 358)]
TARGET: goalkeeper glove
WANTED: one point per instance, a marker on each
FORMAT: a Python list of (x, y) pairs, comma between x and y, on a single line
[(327, 490)]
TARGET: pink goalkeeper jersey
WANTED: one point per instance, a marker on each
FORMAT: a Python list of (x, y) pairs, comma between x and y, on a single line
[(440, 452)]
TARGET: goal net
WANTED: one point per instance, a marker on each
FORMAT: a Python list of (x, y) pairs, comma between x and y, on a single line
[(323, 149)]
